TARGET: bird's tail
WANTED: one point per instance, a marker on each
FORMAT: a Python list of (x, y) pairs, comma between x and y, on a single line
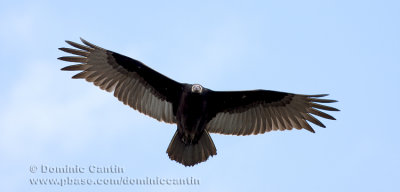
[(191, 154)]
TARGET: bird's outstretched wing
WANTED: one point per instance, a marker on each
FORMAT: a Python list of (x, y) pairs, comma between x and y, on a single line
[(133, 83), (260, 111)]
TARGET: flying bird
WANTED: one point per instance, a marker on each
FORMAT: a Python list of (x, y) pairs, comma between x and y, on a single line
[(197, 111)]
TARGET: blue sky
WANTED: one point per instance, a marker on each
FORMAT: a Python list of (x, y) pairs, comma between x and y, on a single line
[(349, 49)]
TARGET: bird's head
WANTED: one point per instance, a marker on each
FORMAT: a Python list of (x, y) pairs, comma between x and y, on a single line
[(196, 88)]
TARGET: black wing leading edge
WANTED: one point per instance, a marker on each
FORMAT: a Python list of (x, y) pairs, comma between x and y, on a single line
[(260, 111), (133, 83)]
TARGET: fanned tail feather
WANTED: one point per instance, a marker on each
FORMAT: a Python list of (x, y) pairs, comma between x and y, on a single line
[(191, 154)]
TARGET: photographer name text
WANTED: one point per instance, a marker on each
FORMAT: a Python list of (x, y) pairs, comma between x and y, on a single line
[(46, 169)]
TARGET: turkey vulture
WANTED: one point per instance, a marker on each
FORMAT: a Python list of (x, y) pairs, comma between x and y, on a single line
[(196, 110)]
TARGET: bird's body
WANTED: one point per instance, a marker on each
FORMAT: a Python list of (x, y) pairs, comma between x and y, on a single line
[(196, 110), (191, 139), (190, 115)]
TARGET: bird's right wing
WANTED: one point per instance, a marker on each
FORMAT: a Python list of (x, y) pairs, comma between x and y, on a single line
[(260, 111), (132, 82)]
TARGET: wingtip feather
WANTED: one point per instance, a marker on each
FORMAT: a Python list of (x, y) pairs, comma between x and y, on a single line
[(88, 43), (73, 59), (79, 46), (74, 51), (318, 95)]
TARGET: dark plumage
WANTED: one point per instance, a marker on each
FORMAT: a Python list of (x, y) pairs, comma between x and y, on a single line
[(196, 110)]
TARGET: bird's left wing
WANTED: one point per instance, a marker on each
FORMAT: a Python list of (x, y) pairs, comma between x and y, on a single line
[(133, 83), (260, 111)]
